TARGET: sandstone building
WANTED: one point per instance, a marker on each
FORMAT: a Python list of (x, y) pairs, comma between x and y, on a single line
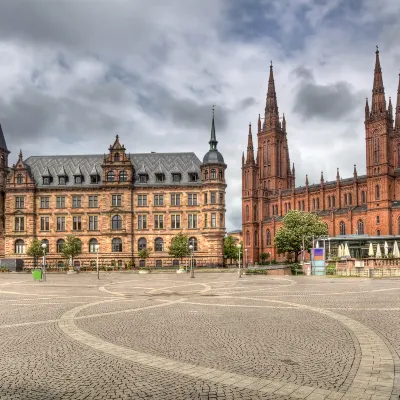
[(121, 202), (359, 205)]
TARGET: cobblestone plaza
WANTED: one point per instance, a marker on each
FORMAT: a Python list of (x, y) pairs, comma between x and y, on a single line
[(166, 336)]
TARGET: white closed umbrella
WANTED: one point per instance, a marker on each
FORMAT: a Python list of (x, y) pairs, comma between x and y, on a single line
[(378, 251), (317, 245), (340, 251), (371, 250), (396, 252), (346, 250), (386, 249)]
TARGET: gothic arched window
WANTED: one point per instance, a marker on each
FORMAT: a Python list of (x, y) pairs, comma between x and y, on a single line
[(333, 201), (268, 236), (116, 222), (255, 212), (378, 220), (117, 157), (360, 227), (378, 233), (377, 192), (248, 238), (20, 179), (350, 199), (116, 245), (313, 204), (329, 202), (142, 244), (193, 242), (60, 245), (342, 228), (345, 199), (19, 246), (247, 213), (363, 198), (255, 238), (376, 149), (93, 243), (317, 203), (159, 244)]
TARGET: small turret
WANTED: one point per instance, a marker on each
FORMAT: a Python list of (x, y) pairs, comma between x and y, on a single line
[(337, 174), (250, 148), (284, 123), (366, 109), (259, 123), (355, 172)]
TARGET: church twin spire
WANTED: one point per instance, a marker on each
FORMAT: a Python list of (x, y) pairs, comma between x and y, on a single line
[(378, 91), (271, 119)]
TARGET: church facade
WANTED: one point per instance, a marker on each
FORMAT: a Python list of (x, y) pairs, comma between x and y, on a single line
[(116, 204), (358, 205)]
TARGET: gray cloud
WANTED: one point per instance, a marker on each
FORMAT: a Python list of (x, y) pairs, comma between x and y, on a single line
[(328, 102)]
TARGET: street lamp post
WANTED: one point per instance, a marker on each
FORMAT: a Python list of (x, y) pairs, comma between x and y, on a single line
[(245, 260), (97, 261), (44, 245), (329, 248), (240, 272), (191, 261)]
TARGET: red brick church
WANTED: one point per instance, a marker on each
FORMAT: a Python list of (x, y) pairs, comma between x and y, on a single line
[(359, 205)]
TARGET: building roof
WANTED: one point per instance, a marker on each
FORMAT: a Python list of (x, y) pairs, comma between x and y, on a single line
[(151, 162), (236, 231)]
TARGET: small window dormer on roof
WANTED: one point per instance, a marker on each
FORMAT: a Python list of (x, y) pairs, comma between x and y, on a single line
[(176, 174), (46, 176), (62, 176), (143, 174), (159, 173), (94, 175), (78, 176), (192, 173)]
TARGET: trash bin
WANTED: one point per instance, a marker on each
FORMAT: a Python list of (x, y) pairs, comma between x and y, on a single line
[(37, 274)]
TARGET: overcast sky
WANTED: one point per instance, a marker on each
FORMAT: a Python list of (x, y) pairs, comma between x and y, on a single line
[(75, 73)]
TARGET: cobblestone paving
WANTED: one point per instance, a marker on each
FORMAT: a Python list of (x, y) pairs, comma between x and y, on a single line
[(166, 336)]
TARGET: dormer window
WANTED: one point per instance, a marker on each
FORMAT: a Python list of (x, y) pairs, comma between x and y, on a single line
[(160, 177), (20, 179), (117, 157), (78, 179), (142, 178), (110, 176), (94, 179), (62, 180), (193, 177), (176, 177), (46, 180)]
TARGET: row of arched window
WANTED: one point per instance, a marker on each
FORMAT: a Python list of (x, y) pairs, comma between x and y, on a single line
[(116, 245), (213, 174)]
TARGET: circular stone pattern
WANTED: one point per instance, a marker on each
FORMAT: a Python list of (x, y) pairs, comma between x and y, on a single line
[(292, 345)]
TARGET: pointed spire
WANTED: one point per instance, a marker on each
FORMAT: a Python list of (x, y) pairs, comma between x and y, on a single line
[(213, 141), (306, 180), (271, 107), (366, 109), (284, 123), (337, 174), (259, 123), (3, 144), (250, 148), (378, 91), (398, 108), (355, 172), (242, 158), (390, 109), (293, 171), (322, 176)]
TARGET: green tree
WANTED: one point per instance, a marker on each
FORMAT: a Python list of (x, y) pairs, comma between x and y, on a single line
[(296, 226), (231, 250), (264, 257), (35, 250), (72, 248), (179, 247), (144, 253)]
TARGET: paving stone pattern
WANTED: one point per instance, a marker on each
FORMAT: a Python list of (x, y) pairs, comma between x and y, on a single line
[(164, 336)]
